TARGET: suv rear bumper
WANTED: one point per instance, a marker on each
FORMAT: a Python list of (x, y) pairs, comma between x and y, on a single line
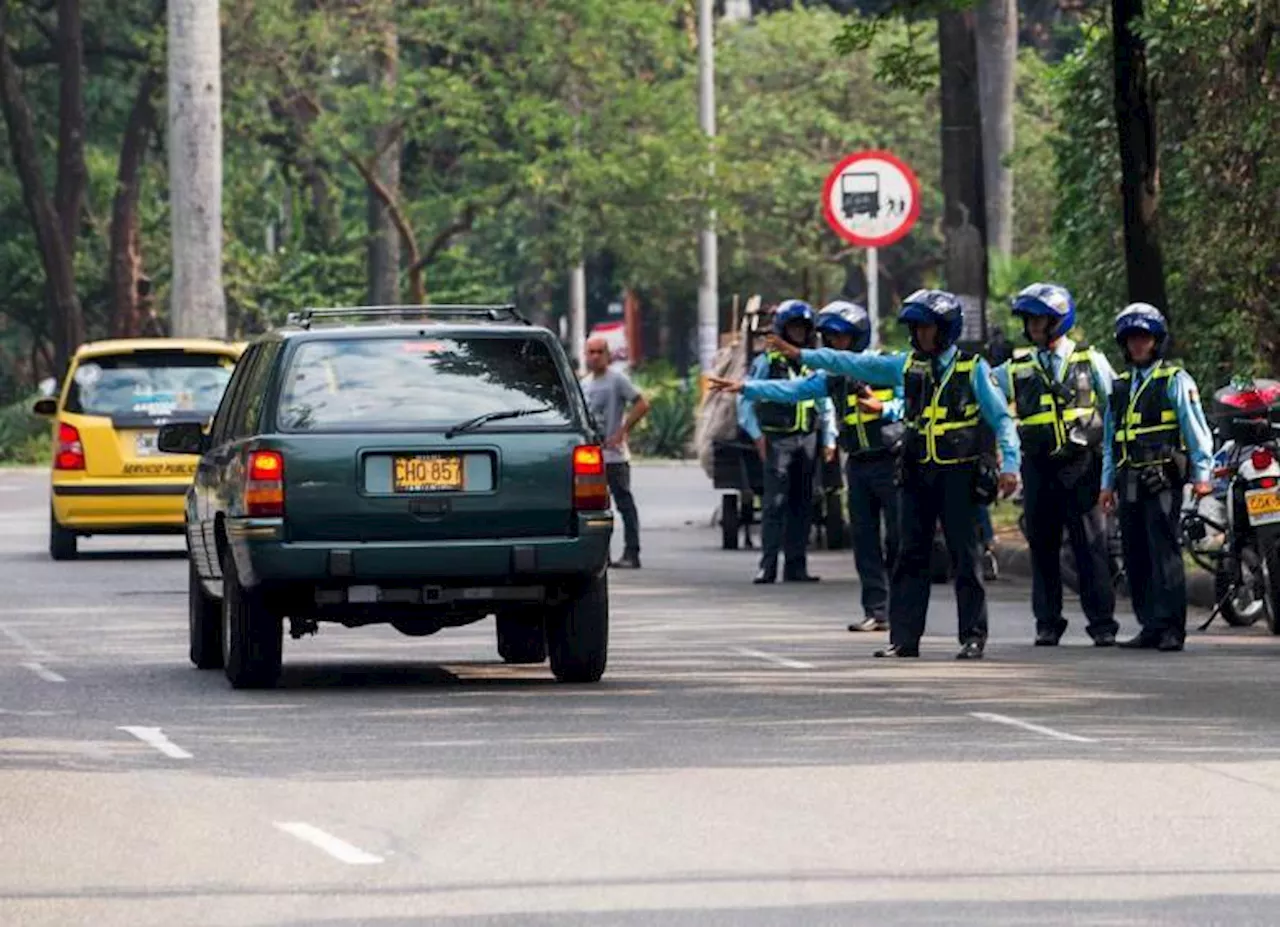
[(263, 560)]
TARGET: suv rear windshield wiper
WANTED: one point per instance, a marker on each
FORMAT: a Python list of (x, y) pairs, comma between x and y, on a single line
[(473, 423)]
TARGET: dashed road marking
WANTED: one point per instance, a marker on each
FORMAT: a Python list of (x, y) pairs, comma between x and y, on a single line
[(152, 736), (20, 640), (771, 658), (44, 672), (1028, 726), (338, 849)]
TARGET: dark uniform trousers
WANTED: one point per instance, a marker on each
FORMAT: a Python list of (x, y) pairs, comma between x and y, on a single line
[(1050, 508), (932, 493), (618, 476), (788, 500), (1153, 559), (873, 496)]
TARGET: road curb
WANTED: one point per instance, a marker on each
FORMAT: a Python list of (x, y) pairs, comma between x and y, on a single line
[(1015, 559)]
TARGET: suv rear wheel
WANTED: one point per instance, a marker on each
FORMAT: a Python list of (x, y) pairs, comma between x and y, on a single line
[(62, 543), (204, 624), (522, 637), (578, 634), (252, 648)]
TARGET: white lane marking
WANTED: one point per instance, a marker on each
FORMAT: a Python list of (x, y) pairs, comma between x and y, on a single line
[(153, 737), (1028, 726), (338, 849), (770, 658), (44, 672), (20, 640)]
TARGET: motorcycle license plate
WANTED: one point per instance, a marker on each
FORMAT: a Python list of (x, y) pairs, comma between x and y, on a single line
[(1263, 506)]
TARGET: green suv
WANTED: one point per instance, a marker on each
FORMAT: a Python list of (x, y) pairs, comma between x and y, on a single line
[(424, 467)]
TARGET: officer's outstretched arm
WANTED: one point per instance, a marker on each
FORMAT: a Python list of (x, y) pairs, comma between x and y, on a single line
[(876, 369), (813, 387)]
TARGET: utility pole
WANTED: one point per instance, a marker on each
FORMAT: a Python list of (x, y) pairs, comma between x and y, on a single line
[(197, 304), (708, 287), (578, 315)]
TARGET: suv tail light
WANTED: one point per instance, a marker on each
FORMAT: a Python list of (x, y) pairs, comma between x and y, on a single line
[(1262, 458), (264, 491), (590, 487), (69, 454)]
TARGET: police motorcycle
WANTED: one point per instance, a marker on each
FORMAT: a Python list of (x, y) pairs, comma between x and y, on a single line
[(1245, 507)]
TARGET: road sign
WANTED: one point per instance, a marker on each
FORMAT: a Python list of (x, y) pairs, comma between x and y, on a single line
[(871, 199)]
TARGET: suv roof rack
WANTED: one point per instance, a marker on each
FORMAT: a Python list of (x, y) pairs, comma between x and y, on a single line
[(506, 312)]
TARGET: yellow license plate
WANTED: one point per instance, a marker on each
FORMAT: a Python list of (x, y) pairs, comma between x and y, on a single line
[(427, 474), (1262, 505)]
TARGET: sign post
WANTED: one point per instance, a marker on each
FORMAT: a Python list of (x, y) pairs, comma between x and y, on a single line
[(871, 199)]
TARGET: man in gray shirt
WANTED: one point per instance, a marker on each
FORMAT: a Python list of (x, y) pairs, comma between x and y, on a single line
[(608, 394)]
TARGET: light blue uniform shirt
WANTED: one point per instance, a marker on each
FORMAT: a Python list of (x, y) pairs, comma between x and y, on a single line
[(759, 376), (1054, 361), (816, 385), (1185, 399), (888, 370)]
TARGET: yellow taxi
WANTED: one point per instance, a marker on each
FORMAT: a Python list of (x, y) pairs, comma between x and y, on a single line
[(108, 475)]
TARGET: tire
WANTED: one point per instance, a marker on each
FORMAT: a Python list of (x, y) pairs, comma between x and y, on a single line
[(204, 624), (578, 635), (1221, 584), (252, 645), (729, 521), (62, 541), (522, 638)]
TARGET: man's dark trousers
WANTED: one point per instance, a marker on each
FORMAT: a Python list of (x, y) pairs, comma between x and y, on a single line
[(1051, 507), (932, 493), (788, 501), (619, 478), (1153, 559), (873, 495)]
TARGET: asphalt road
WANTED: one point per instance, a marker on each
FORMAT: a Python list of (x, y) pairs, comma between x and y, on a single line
[(744, 761)]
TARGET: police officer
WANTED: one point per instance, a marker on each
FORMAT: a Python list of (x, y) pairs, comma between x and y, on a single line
[(947, 395), (1155, 437), (786, 437), (868, 433), (1059, 389)]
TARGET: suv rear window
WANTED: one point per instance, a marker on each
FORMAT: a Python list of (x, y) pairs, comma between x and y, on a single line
[(421, 382), (150, 384)]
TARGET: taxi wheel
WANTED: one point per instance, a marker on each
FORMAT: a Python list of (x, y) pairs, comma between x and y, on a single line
[(522, 638), (62, 541), (578, 635), (252, 645), (204, 624)]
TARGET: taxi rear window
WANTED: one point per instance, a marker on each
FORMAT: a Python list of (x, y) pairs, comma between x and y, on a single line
[(150, 384), (361, 384)]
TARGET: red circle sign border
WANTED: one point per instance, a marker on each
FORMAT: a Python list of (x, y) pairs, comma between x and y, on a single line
[(884, 240)]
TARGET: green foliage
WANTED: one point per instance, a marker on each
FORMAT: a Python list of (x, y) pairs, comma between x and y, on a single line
[(1219, 79), (24, 437), (668, 428)]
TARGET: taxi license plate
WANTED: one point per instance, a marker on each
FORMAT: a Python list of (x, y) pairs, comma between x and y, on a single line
[(426, 474), (144, 445), (1263, 506)]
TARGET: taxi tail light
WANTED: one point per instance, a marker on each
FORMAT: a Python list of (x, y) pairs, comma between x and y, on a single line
[(590, 486), (69, 454), (264, 490), (1268, 482), (1262, 458)]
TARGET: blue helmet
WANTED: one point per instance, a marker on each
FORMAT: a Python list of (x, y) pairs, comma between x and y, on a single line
[(937, 307), (1141, 317), (846, 318), (791, 310), (1047, 299)]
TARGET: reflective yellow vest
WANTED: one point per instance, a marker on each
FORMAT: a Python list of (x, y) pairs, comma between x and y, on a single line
[(1050, 414), (1147, 432), (944, 413), (781, 418)]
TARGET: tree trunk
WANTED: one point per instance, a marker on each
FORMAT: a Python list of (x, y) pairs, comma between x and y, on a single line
[(126, 255), (72, 173), (197, 303), (384, 238), (1139, 160), (963, 187), (997, 79), (66, 320)]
